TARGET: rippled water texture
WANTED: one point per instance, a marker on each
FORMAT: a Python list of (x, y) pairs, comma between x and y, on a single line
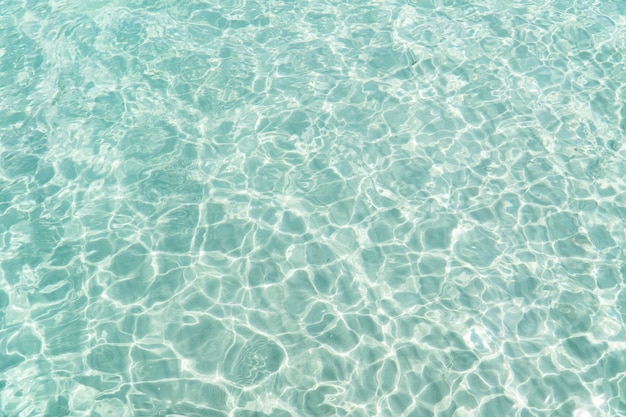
[(340, 208)]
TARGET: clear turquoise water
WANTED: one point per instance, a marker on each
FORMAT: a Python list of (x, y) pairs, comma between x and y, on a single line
[(339, 208)]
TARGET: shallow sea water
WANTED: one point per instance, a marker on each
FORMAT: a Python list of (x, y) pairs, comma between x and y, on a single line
[(332, 208)]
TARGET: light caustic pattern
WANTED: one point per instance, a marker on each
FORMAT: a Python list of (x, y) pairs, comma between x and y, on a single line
[(312, 208)]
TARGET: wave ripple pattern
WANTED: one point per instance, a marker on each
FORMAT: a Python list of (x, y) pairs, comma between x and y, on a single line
[(331, 208)]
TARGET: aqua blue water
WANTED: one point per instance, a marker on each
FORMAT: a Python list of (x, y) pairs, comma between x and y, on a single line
[(331, 208)]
